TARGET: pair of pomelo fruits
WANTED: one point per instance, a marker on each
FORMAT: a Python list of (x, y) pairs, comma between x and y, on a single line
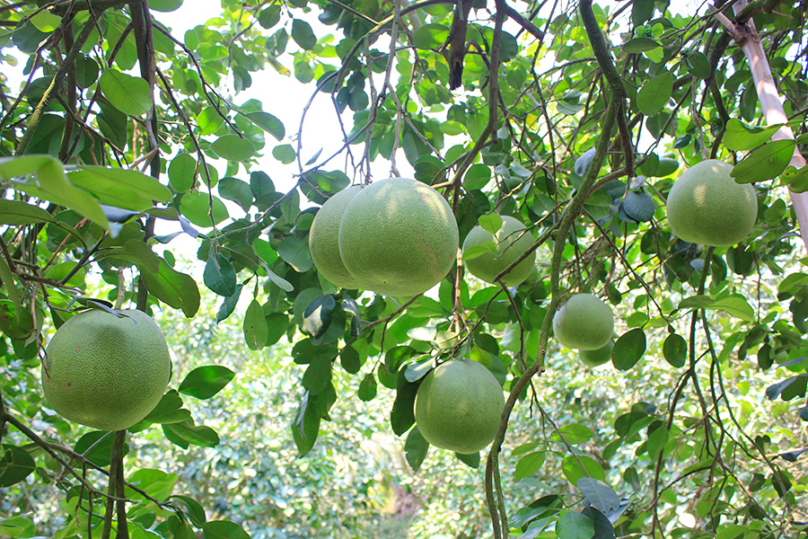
[(106, 370), (399, 237)]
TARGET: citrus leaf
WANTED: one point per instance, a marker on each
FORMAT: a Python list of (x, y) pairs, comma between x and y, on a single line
[(181, 172), (529, 464), (205, 382), (268, 123), (16, 212), (295, 252), (765, 162), (367, 388), (472, 461), (284, 153), (640, 44), (736, 306), (306, 425), (796, 179), (599, 494), (15, 465), (571, 467), (574, 434), (96, 446), (237, 191), (654, 94), (220, 276), (628, 349), (176, 289), (233, 148), (402, 417), (193, 510), (255, 326), (491, 222), (740, 136), (192, 434), (126, 93), (168, 410), (224, 529), (573, 525), (675, 350), (303, 34), (430, 36), (415, 448)]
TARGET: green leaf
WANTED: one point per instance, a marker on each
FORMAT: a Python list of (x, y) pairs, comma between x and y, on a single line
[(698, 65), (402, 417), (306, 425), (96, 446), (529, 464), (220, 276), (573, 471), (174, 288), (654, 94), (628, 349), (126, 93), (641, 11), (740, 136), (196, 207), (764, 163), (193, 510), (233, 148), (168, 410), (572, 525), (165, 6), (478, 250), (284, 153), (317, 316), (209, 121), (127, 189), (270, 16), (477, 177), (303, 34), (736, 306), (186, 434), (367, 388), (237, 191), (491, 222), (696, 302), (430, 36), (675, 350), (205, 382), (17, 527), (415, 449), (15, 465), (472, 461), (574, 434), (599, 494), (295, 252), (640, 44), (268, 123), (795, 179), (318, 375), (50, 184), (12, 167), (255, 326), (16, 212), (224, 529), (181, 172)]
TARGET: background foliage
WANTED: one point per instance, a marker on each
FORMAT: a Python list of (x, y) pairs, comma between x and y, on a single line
[(290, 410)]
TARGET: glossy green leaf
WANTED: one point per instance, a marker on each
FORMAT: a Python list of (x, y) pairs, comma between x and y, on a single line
[(640, 44), (573, 471), (220, 276), (196, 207), (16, 212), (598, 494), (15, 465), (126, 93), (415, 449), (181, 172), (654, 94), (628, 349), (186, 434), (430, 36), (168, 410), (255, 327), (295, 252), (268, 123), (176, 289), (128, 189), (165, 6), (674, 350), (303, 34), (233, 148), (572, 525), (284, 153), (205, 382), (529, 464), (306, 425), (237, 191), (764, 163), (740, 136)]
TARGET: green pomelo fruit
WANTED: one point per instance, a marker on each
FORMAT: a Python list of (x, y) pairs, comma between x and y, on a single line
[(398, 237), (324, 239), (583, 323), (596, 358), (706, 205), (459, 406), (512, 241), (105, 371)]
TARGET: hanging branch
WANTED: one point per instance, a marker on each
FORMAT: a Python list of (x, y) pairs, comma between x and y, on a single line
[(746, 35)]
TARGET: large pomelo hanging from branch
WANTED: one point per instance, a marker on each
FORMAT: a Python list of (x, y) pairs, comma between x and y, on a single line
[(707, 206), (324, 239), (398, 237), (106, 371)]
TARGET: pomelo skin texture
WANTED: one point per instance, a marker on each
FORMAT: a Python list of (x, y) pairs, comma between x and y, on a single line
[(706, 206), (104, 371), (459, 406), (398, 237), (583, 323), (324, 239), (596, 358), (511, 244)]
